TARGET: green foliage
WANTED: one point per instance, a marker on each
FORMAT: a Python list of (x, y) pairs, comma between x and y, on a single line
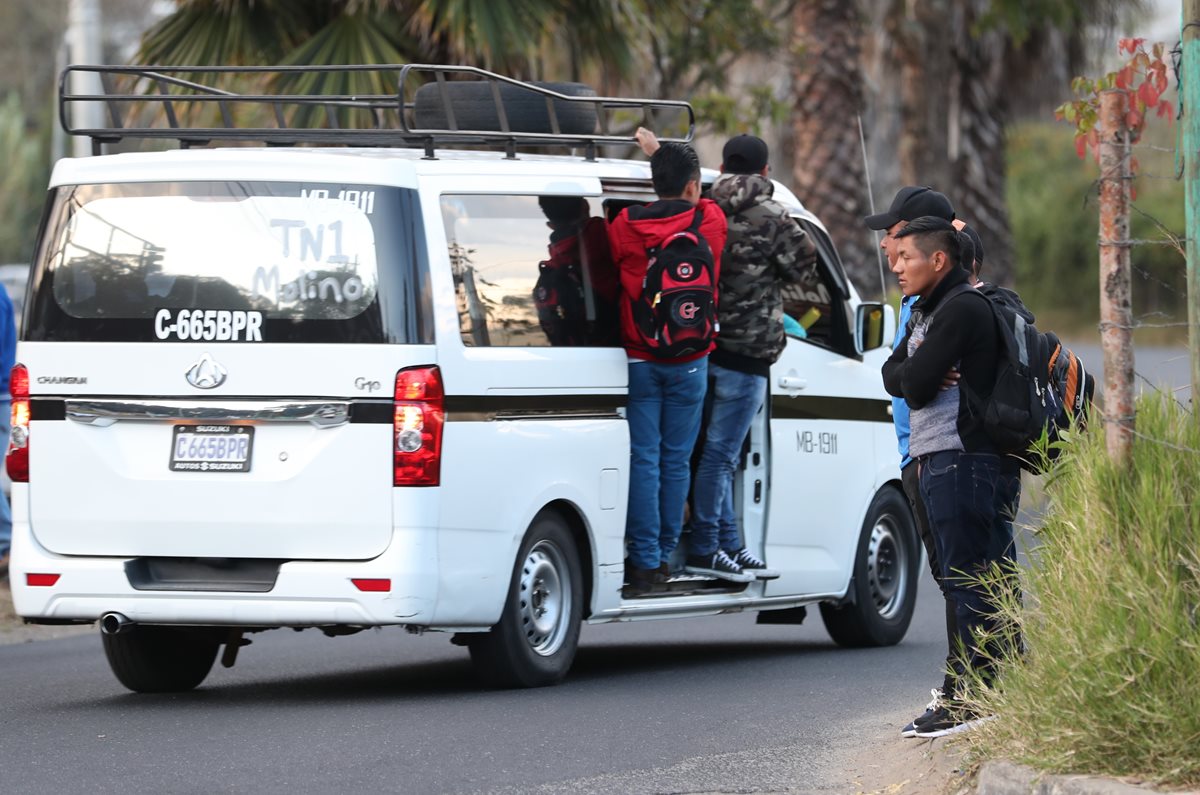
[(22, 182), (505, 36), (694, 47), (727, 114), (1022, 18), (688, 47), (1143, 79), (1110, 680), (1052, 202)]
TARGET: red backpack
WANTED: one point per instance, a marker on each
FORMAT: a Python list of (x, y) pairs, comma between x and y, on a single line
[(676, 312)]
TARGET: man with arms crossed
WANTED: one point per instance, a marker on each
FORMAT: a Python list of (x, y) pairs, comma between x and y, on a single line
[(959, 468)]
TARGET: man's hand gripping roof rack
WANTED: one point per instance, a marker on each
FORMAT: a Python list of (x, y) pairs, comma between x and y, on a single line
[(323, 105)]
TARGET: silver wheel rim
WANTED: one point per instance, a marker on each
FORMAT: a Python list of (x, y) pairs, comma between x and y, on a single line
[(887, 567), (544, 598)]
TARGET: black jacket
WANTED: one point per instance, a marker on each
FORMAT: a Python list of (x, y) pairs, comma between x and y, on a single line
[(961, 334)]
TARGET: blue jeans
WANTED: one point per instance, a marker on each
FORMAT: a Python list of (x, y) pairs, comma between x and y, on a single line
[(969, 498), (665, 403), (736, 398), (5, 509)]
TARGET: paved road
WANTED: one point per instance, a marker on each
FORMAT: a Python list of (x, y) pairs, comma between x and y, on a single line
[(1157, 367), (677, 706)]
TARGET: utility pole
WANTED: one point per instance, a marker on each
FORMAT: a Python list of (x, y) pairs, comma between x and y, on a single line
[(1189, 90), (83, 45), (1116, 313)]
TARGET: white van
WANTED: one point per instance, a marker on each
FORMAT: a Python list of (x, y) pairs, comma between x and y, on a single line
[(309, 387)]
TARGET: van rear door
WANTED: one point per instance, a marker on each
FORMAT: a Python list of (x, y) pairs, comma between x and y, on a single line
[(212, 367)]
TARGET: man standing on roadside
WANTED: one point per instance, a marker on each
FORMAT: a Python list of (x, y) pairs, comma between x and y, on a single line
[(959, 468), (666, 396), (911, 203)]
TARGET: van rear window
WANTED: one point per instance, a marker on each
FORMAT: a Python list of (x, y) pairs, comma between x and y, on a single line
[(228, 262)]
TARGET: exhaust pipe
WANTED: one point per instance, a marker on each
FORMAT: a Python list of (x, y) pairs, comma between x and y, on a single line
[(114, 624)]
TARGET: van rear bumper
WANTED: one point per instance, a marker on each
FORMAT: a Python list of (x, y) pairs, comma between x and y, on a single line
[(306, 593)]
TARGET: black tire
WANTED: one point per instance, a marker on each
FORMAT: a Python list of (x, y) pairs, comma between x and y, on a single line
[(161, 659), (475, 108), (883, 588), (529, 648)]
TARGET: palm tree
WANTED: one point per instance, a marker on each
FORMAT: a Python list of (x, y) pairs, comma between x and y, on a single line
[(828, 171), (948, 77), (509, 36)]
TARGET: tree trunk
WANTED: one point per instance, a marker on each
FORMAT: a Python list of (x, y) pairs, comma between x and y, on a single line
[(953, 112), (828, 174), (977, 141)]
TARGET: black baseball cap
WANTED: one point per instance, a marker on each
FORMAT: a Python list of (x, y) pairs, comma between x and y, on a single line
[(744, 154), (911, 203)]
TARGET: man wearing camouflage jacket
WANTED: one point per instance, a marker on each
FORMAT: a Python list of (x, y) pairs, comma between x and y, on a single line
[(765, 249)]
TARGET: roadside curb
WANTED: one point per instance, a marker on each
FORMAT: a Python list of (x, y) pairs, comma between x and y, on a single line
[(1008, 778)]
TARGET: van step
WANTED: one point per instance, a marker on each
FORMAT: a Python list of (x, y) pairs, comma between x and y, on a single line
[(686, 584)]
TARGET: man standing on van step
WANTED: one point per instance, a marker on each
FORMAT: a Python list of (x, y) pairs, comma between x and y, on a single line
[(912, 202), (959, 468), (666, 395), (766, 248)]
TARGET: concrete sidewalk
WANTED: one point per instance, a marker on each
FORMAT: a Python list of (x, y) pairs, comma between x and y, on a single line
[(1006, 778)]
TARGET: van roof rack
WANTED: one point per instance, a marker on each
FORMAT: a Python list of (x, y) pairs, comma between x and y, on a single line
[(195, 105)]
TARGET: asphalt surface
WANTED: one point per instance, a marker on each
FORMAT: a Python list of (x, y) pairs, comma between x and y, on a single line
[(707, 704)]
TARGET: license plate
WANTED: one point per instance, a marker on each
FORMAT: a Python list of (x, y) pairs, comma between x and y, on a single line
[(211, 448)]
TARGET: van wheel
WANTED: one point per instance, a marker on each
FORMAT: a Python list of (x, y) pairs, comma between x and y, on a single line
[(475, 108), (535, 641), (884, 584), (160, 659)]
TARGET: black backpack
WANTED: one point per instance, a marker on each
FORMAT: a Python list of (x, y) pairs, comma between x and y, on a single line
[(676, 313), (1041, 386)]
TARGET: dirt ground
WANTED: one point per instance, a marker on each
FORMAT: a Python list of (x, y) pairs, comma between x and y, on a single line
[(889, 764)]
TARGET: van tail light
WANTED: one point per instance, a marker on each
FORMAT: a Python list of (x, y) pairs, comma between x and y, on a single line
[(417, 427), (18, 445)]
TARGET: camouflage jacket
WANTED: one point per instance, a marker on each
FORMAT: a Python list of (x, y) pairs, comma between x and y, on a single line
[(766, 247)]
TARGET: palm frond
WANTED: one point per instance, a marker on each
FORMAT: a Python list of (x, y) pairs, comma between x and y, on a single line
[(356, 38)]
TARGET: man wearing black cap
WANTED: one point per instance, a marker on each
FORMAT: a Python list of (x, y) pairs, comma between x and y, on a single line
[(765, 249), (914, 202)]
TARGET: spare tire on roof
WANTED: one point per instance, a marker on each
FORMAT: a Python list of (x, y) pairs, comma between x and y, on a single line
[(475, 108)]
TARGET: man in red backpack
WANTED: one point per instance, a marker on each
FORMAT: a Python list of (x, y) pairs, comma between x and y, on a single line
[(667, 326)]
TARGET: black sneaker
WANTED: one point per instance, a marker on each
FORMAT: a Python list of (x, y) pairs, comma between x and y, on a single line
[(910, 730), (946, 721), (717, 565), (641, 582), (752, 565)]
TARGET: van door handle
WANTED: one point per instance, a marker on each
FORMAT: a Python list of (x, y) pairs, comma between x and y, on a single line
[(791, 382)]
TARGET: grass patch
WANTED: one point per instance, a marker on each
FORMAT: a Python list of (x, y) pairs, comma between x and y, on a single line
[(1110, 680)]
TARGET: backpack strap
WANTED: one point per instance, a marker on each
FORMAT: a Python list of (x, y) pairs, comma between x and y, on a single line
[(953, 292), (697, 219)]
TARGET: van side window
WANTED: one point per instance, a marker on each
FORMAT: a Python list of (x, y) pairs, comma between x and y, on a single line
[(531, 271), (821, 310)]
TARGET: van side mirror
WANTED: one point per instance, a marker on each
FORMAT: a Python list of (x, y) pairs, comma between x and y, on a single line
[(871, 323)]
